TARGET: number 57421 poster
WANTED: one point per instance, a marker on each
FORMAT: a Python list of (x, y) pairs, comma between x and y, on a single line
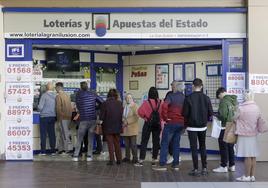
[(19, 92)]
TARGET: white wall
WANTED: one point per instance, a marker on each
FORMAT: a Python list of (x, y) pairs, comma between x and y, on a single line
[(106, 58), (146, 82), (150, 60), (257, 57), (2, 87)]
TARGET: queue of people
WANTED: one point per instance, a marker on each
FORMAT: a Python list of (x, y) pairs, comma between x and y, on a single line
[(166, 120)]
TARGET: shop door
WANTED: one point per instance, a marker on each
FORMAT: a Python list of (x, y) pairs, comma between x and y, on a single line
[(234, 67)]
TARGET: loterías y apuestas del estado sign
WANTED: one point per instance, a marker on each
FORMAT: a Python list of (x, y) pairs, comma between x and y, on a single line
[(124, 25)]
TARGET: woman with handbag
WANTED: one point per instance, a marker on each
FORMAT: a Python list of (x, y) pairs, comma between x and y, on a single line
[(111, 119), (247, 130), (130, 128)]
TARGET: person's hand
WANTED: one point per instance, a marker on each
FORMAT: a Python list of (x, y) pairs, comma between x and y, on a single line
[(76, 117)]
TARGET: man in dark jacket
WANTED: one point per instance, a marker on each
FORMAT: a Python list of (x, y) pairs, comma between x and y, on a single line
[(86, 104), (172, 115), (227, 108), (197, 109)]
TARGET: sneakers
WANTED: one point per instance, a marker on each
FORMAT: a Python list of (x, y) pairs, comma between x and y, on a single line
[(220, 169), (252, 178), (110, 163), (53, 154), (154, 162), (75, 159), (232, 168), (170, 160), (89, 158), (126, 160), (194, 172), (204, 172), (160, 168), (244, 178), (96, 152), (139, 163), (42, 154), (63, 153), (60, 152), (176, 168)]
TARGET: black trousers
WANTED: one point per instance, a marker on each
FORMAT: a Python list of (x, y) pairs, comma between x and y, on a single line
[(131, 144), (99, 142), (226, 151), (194, 137), (146, 132), (85, 143), (170, 148)]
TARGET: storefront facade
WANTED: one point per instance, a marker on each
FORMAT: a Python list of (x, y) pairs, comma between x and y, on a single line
[(120, 26)]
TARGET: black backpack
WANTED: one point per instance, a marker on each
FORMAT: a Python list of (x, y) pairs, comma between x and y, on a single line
[(154, 120)]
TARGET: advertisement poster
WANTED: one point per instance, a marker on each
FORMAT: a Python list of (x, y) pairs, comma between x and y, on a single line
[(19, 112), (236, 84), (19, 71), (19, 92), (37, 74), (19, 148), (178, 72), (19, 109), (19, 130), (162, 76), (258, 83)]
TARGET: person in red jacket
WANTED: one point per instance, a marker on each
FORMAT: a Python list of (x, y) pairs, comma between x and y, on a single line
[(145, 111), (172, 115)]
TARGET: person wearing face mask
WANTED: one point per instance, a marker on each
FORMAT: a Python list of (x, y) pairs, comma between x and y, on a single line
[(130, 128)]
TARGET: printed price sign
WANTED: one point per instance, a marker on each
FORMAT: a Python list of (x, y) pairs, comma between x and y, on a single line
[(17, 130), (19, 71), (19, 92), (19, 113), (19, 149), (236, 84)]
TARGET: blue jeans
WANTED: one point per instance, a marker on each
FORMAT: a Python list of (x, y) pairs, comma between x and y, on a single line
[(47, 126), (85, 127), (171, 133)]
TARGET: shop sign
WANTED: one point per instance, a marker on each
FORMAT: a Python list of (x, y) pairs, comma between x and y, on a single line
[(15, 50), (19, 71), (124, 25), (258, 83), (19, 113), (236, 84), (19, 93), (37, 73), (139, 71), (19, 130), (19, 148)]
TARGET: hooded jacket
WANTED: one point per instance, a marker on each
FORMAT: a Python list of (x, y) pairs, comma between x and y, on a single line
[(227, 108), (247, 120), (46, 104)]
